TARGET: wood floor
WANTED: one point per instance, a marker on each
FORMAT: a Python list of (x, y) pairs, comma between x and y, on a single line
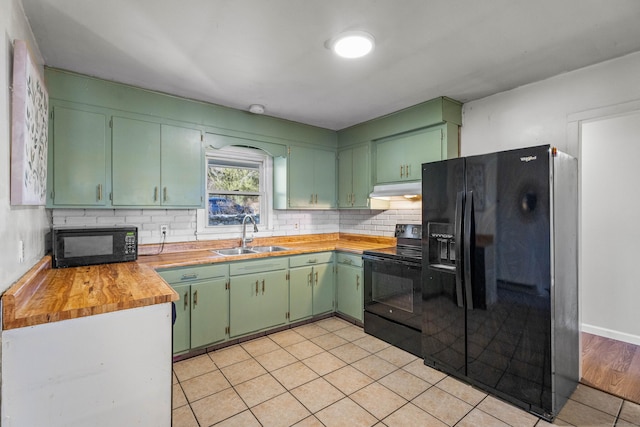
[(611, 366)]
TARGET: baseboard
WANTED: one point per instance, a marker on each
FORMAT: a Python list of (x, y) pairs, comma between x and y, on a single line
[(608, 333)]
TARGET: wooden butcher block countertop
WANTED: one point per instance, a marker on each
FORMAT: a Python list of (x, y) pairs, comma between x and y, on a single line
[(46, 295)]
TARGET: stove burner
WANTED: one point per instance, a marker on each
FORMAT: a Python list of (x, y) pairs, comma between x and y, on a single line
[(408, 247), (409, 252)]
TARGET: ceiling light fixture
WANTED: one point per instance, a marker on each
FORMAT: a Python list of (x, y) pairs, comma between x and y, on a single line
[(351, 44), (256, 109)]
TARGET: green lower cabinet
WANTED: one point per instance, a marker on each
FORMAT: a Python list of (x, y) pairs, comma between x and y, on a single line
[(311, 285), (258, 301), (209, 312), (349, 286), (300, 293), (311, 291), (202, 312), (182, 325), (323, 289)]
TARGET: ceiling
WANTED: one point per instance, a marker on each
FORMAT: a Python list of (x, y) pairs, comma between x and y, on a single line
[(241, 52)]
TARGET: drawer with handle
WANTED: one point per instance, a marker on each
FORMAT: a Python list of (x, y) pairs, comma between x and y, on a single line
[(194, 273), (348, 259), (311, 259)]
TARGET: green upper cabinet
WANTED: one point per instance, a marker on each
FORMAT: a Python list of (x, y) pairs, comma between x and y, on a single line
[(354, 177), (158, 159), (402, 141), (311, 178), (400, 158), (182, 167), (156, 164), (78, 158), (136, 162)]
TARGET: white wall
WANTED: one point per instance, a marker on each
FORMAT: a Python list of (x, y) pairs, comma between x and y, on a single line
[(537, 114), (16, 223), (545, 113), (610, 233)]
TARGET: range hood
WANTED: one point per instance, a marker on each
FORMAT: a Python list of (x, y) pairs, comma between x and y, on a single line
[(404, 190)]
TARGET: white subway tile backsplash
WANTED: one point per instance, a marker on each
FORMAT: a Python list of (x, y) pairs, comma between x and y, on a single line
[(67, 212), (81, 220), (111, 220), (137, 219), (182, 223)]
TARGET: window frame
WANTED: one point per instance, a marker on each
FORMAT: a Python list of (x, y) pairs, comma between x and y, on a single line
[(241, 156)]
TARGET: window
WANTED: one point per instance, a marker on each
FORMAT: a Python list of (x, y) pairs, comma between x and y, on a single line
[(235, 186)]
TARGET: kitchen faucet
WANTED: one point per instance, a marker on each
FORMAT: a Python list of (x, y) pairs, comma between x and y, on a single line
[(246, 240)]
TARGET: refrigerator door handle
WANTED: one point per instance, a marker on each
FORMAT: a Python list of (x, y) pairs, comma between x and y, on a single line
[(468, 218), (458, 246)]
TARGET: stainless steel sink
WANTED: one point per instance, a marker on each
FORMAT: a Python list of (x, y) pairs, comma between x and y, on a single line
[(234, 251), (268, 248)]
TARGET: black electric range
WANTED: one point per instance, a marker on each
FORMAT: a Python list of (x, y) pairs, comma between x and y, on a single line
[(393, 290)]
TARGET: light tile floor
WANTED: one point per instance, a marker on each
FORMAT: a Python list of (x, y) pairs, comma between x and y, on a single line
[(330, 373)]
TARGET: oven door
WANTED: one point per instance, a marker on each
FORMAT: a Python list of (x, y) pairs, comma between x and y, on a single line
[(393, 290)]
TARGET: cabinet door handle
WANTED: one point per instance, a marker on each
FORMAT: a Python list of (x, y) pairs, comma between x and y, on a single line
[(195, 298), (186, 300), (401, 171), (311, 200), (155, 194), (99, 192), (357, 281), (316, 277), (309, 279), (164, 194), (256, 287), (353, 199), (316, 202), (408, 169), (262, 286)]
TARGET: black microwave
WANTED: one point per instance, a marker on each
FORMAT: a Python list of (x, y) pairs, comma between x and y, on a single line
[(78, 246)]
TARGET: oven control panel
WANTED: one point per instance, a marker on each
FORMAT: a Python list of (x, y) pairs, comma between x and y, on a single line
[(408, 231)]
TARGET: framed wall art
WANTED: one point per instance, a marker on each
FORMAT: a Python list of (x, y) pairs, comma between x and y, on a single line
[(29, 130)]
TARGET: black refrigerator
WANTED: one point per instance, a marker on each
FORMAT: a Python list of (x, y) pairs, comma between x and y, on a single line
[(499, 274)]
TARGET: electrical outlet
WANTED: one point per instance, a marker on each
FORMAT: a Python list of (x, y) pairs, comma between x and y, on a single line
[(164, 229)]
